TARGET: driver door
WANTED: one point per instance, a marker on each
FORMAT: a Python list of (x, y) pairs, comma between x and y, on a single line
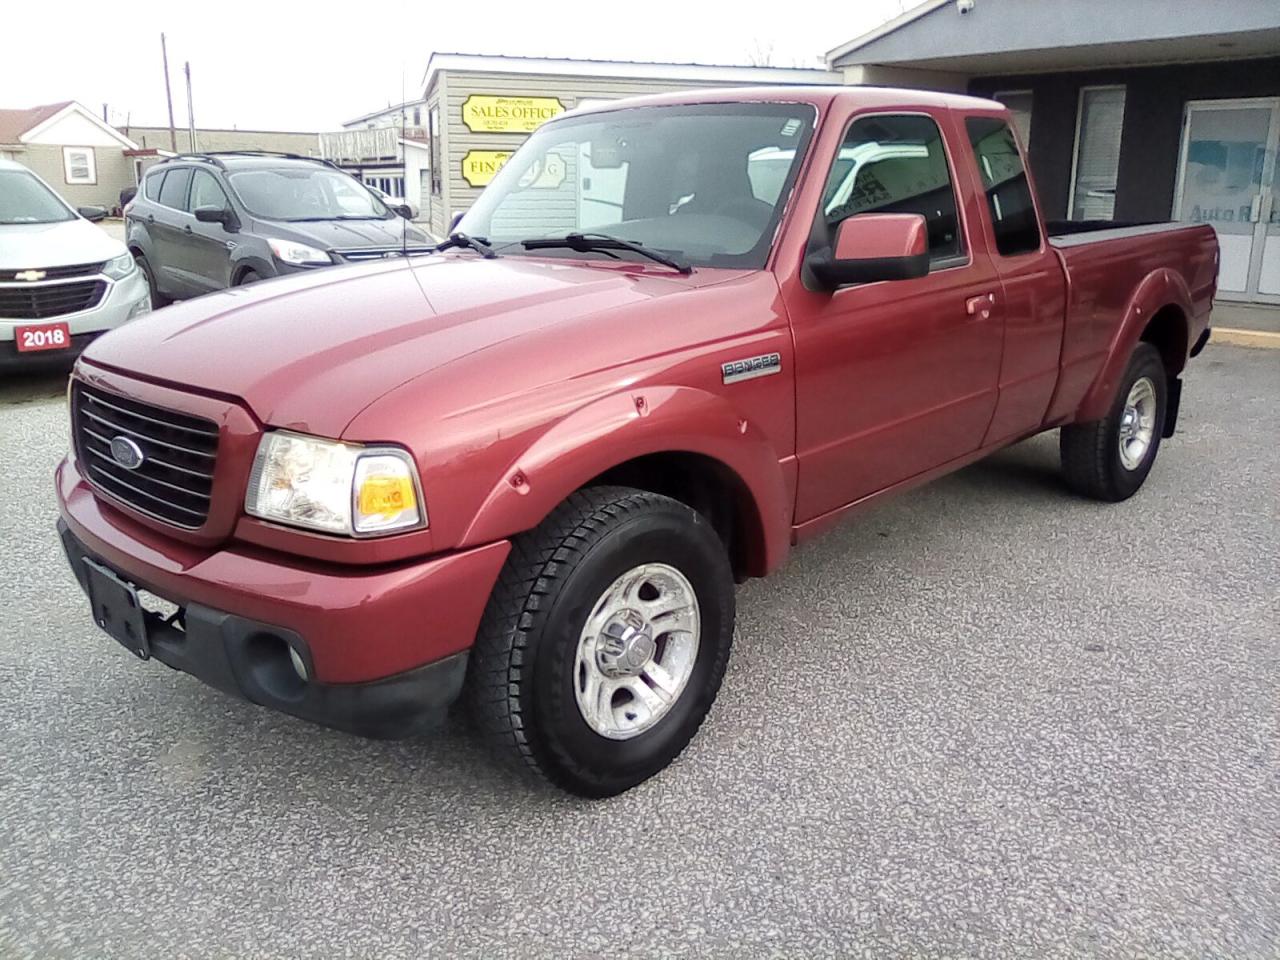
[(207, 247), (898, 377)]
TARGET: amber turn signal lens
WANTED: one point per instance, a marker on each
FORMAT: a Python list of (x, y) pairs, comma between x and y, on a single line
[(386, 496)]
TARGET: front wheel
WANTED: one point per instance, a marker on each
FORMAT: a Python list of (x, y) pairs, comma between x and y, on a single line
[(158, 299), (605, 641), (1110, 458)]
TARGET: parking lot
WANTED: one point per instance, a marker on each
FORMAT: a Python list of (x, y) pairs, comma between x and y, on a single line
[(986, 718)]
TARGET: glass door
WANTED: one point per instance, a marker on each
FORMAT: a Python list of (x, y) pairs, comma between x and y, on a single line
[(1268, 285), (1228, 178)]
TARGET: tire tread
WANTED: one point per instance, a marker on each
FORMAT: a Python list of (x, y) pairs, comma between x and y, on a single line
[(539, 560)]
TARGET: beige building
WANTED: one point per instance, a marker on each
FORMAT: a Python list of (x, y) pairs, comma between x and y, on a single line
[(480, 108), (83, 158)]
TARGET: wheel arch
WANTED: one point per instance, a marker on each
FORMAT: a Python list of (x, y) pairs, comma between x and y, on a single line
[(678, 441), (1158, 312), (242, 266)]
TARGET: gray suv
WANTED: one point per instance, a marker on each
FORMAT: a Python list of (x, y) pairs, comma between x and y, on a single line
[(205, 222)]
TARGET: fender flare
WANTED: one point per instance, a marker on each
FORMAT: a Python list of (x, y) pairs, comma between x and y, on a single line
[(618, 428), (1158, 290)]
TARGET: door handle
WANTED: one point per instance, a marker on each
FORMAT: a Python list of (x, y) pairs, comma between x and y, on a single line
[(187, 229), (980, 306), (151, 218)]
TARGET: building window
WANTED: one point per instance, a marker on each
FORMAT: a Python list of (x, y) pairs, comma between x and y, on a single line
[(78, 165), (417, 116), (1004, 181), (1019, 104), (1099, 124)]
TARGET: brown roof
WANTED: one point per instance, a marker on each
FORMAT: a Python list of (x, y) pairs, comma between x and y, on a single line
[(14, 123)]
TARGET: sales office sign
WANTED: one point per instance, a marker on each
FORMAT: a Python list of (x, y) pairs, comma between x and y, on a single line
[(486, 113)]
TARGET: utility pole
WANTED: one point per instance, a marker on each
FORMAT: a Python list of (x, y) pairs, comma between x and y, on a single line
[(168, 95), (191, 115)]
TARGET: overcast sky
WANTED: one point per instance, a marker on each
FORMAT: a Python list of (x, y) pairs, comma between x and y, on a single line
[(311, 65)]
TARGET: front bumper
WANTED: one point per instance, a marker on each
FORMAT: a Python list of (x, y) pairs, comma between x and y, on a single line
[(117, 304), (250, 659), (385, 648)]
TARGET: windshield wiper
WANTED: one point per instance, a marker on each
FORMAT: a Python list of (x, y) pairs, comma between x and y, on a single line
[(460, 240), (585, 242)]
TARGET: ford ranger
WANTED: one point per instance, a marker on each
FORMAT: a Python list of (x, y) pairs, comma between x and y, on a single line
[(673, 338)]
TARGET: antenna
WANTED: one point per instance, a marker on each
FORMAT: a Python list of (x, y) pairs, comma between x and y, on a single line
[(404, 151)]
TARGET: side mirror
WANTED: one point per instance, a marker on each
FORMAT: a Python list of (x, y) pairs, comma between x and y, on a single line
[(874, 246), (92, 213), (212, 214), (403, 209), (453, 223)]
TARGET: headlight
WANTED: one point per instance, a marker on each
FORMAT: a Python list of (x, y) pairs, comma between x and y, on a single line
[(120, 267), (334, 487), (298, 253)]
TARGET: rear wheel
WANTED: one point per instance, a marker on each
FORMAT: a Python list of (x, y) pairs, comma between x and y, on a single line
[(606, 639), (249, 276), (157, 298), (1110, 458)]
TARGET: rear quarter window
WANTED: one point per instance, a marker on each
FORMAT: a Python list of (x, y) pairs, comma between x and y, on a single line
[(151, 185), (1004, 181), (173, 193)]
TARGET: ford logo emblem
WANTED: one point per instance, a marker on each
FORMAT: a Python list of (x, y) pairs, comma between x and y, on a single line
[(126, 453)]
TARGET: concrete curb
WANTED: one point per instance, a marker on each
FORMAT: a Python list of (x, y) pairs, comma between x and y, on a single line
[(1246, 338)]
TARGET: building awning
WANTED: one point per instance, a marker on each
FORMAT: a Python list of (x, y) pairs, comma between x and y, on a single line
[(1031, 36)]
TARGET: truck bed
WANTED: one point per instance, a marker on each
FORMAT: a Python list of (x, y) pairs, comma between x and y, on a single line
[(1104, 268)]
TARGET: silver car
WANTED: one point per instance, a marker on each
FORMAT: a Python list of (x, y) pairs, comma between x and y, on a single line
[(63, 280)]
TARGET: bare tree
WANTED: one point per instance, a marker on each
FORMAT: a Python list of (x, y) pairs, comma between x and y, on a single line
[(760, 54)]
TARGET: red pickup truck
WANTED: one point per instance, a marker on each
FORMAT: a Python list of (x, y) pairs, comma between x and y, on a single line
[(673, 338)]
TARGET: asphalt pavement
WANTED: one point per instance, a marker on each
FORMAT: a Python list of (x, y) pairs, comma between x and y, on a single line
[(985, 719)]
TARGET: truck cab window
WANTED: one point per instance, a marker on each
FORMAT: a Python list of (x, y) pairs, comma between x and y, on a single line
[(896, 164), (1004, 180)]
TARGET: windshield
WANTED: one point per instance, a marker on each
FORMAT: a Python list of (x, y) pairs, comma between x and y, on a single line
[(305, 192), (24, 199), (703, 182)]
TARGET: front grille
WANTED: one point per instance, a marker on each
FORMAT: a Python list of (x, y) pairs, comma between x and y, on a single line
[(175, 479), (58, 273), (362, 254), (50, 300)]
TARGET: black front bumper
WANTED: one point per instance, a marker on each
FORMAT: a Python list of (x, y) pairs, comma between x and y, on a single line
[(251, 660)]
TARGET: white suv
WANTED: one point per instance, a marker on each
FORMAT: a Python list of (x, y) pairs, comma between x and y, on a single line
[(62, 279)]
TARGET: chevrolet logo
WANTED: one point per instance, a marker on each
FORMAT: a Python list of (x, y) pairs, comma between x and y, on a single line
[(32, 275)]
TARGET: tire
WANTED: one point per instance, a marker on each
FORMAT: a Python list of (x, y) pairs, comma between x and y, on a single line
[(248, 277), (158, 299), (1094, 461), (535, 660)]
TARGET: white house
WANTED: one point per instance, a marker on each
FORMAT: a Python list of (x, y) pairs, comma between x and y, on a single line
[(86, 160)]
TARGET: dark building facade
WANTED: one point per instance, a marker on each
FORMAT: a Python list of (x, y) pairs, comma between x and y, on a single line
[(1144, 110)]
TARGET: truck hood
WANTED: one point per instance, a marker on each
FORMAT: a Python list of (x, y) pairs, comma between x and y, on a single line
[(40, 245), (310, 351)]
